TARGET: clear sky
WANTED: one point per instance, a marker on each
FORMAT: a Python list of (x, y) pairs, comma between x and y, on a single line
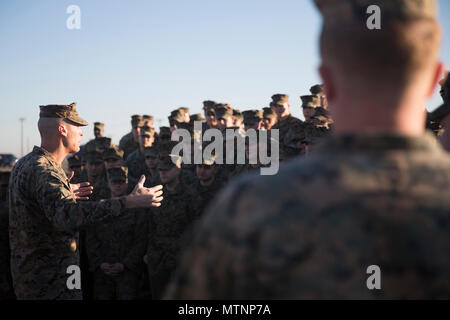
[(150, 57)]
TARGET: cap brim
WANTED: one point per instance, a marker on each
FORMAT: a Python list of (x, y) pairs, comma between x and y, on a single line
[(165, 166), (77, 120), (112, 158), (153, 155)]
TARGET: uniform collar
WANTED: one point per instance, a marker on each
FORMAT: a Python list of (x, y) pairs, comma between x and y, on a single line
[(42, 152), (382, 142)]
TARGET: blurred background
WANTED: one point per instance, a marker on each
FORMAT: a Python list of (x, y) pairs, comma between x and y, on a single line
[(150, 57)]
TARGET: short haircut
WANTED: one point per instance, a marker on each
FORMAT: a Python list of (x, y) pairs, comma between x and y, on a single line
[(395, 54)]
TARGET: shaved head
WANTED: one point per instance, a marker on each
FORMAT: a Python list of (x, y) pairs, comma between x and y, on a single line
[(48, 127)]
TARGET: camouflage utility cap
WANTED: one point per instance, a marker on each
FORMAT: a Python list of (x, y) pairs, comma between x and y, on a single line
[(66, 112), (268, 113), (252, 116), (99, 125), (113, 153), (117, 174), (310, 101)]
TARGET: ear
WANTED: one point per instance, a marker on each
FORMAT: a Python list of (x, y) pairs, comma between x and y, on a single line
[(62, 130), (437, 78), (328, 82)]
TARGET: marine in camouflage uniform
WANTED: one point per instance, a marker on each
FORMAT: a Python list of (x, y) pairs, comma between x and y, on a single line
[(136, 161), (175, 119), (6, 287), (121, 244), (361, 199), (98, 133), (269, 118), (319, 128), (280, 104), (44, 219), (397, 214), (164, 135), (76, 165), (112, 158), (208, 183), (96, 175), (97, 145), (196, 118), (309, 105), (130, 142), (168, 223), (253, 119), (210, 116), (151, 161), (318, 91)]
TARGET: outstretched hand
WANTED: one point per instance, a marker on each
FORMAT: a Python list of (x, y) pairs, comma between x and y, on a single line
[(143, 197), (81, 191)]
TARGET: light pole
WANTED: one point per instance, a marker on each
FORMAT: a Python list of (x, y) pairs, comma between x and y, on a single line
[(21, 136)]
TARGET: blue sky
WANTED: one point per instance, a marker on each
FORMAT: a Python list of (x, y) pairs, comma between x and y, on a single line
[(150, 57)]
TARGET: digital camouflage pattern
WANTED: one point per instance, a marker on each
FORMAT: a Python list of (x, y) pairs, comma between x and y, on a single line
[(122, 240), (43, 223), (312, 231), (284, 125), (101, 190), (167, 224), (206, 194)]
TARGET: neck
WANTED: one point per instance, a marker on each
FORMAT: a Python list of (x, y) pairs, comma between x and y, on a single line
[(153, 172), (284, 117), (403, 119), (57, 150)]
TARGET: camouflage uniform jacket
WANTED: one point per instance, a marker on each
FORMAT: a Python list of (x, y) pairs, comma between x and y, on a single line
[(208, 193), (312, 231), (167, 224), (43, 223), (285, 124), (128, 145), (122, 240), (101, 190)]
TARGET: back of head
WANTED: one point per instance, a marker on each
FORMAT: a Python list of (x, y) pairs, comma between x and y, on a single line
[(389, 59), (48, 127)]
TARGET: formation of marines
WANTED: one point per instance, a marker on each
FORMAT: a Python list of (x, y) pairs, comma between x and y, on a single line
[(156, 240), (135, 255)]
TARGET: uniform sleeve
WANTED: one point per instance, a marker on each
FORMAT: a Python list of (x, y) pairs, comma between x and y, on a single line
[(139, 247), (64, 212)]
